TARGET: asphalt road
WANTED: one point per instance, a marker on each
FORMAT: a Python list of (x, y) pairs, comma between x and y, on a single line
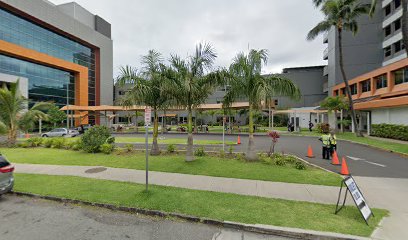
[(27, 218), (362, 160)]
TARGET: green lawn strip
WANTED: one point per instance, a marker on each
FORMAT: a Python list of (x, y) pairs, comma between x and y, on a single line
[(208, 166), (213, 205), (170, 141)]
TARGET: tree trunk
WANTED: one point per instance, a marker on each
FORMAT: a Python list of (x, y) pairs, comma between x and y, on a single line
[(405, 24), (189, 153), (12, 136), (136, 122), (335, 122), (251, 154), (155, 147), (343, 73)]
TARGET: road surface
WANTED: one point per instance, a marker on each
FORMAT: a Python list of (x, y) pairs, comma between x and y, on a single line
[(35, 219)]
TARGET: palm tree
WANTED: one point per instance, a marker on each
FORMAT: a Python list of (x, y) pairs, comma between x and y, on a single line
[(245, 80), (148, 88), (343, 15), (192, 83), (14, 115), (404, 17), (335, 104)]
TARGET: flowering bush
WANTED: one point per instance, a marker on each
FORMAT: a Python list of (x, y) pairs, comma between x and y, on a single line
[(274, 136)]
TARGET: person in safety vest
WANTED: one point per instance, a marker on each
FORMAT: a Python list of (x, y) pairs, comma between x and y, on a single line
[(333, 142), (326, 145)]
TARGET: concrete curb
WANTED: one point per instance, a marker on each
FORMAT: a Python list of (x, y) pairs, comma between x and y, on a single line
[(257, 228)]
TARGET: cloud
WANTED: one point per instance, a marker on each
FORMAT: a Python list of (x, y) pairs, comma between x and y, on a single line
[(175, 26)]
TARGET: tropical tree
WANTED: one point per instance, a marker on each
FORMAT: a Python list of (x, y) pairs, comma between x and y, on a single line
[(246, 80), (192, 82), (55, 116), (14, 114), (335, 104), (148, 88), (342, 15), (404, 17)]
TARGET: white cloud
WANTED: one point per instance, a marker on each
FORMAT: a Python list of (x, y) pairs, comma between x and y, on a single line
[(175, 26)]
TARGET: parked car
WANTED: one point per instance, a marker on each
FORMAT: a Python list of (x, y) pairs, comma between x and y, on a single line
[(6, 175), (73, 132), (57, 132)]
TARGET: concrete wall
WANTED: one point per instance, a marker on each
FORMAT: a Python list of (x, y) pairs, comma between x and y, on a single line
[(23, 82), (362, 52), (61, 19), (390, 115)]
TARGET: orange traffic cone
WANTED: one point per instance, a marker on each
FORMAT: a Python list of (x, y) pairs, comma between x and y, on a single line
[(310, 152), (344, 168), (239, 140), (335, 160)]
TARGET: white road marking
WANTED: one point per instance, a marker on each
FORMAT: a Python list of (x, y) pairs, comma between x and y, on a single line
[(355, 158), (377, 164)]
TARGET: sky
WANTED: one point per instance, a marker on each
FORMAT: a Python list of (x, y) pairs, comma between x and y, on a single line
[(231, 26)]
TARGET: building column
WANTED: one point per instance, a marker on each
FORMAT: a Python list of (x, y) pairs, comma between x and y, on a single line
[(353, 128), (368, 123)]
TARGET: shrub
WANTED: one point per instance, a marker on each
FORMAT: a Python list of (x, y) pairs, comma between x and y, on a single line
[(323, 127), (48, 142), (300, 165), (290, 159), (58, 143), (94, 137), (171, 148), (23, 144), (200, 152), (110, 140), (76, 147), (230, 150), (280, 162), (222, 154), (129, 147), (107, 148), (393, 131), (34, 142)]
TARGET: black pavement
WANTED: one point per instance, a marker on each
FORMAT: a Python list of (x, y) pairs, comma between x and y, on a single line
[(362, 160)]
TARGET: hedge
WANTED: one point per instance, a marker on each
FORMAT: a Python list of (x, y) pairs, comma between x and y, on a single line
[(393, 131)]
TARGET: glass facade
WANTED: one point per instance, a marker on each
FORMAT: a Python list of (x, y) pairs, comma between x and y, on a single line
[(45, 83)]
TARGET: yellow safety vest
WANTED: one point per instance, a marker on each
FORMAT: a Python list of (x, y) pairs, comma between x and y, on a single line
[(334, 140), (326, 140)]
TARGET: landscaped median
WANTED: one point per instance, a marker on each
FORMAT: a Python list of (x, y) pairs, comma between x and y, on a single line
[(283, 169), (212, 205)]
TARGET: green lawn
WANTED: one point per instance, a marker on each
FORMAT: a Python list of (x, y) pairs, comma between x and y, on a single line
[(209, 166), (382, 144), (219, 206), (170, 141)]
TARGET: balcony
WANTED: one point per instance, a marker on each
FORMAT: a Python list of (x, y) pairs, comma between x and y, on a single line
[(326, 54)]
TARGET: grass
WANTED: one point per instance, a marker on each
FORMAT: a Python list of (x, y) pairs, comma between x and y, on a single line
[(378, 143), (219, 206), (170, 141), (208, 166)]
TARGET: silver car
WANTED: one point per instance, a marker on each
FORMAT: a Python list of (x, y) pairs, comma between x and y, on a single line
[(57, 132), (6, 176)]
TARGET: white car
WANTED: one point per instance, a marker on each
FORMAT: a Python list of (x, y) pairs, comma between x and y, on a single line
[(60, 132)]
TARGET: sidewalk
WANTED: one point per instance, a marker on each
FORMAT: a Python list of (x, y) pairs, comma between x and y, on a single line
[(387, 193)]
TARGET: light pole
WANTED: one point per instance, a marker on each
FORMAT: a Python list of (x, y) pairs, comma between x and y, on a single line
[(67, 105)]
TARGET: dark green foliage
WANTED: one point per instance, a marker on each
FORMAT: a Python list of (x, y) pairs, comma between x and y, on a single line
[(171, 148), (34, 142), (129, 147), (280, 162), (323, 128), (107, 148), (47, 142), (110, 140), (200, 152), (300, 165), (58, 143), (399, 132), (94, 138), (55, 116)]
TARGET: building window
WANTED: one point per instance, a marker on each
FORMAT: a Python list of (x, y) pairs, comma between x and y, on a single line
[(343, 91), (397, 4), (366, 86), (353, 89), (336, 93), (387, 30), (397, 46), (387, 10), (381, 81), (121, 93), (401, 76), (124, 120), (397, 24), (387, 51)]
